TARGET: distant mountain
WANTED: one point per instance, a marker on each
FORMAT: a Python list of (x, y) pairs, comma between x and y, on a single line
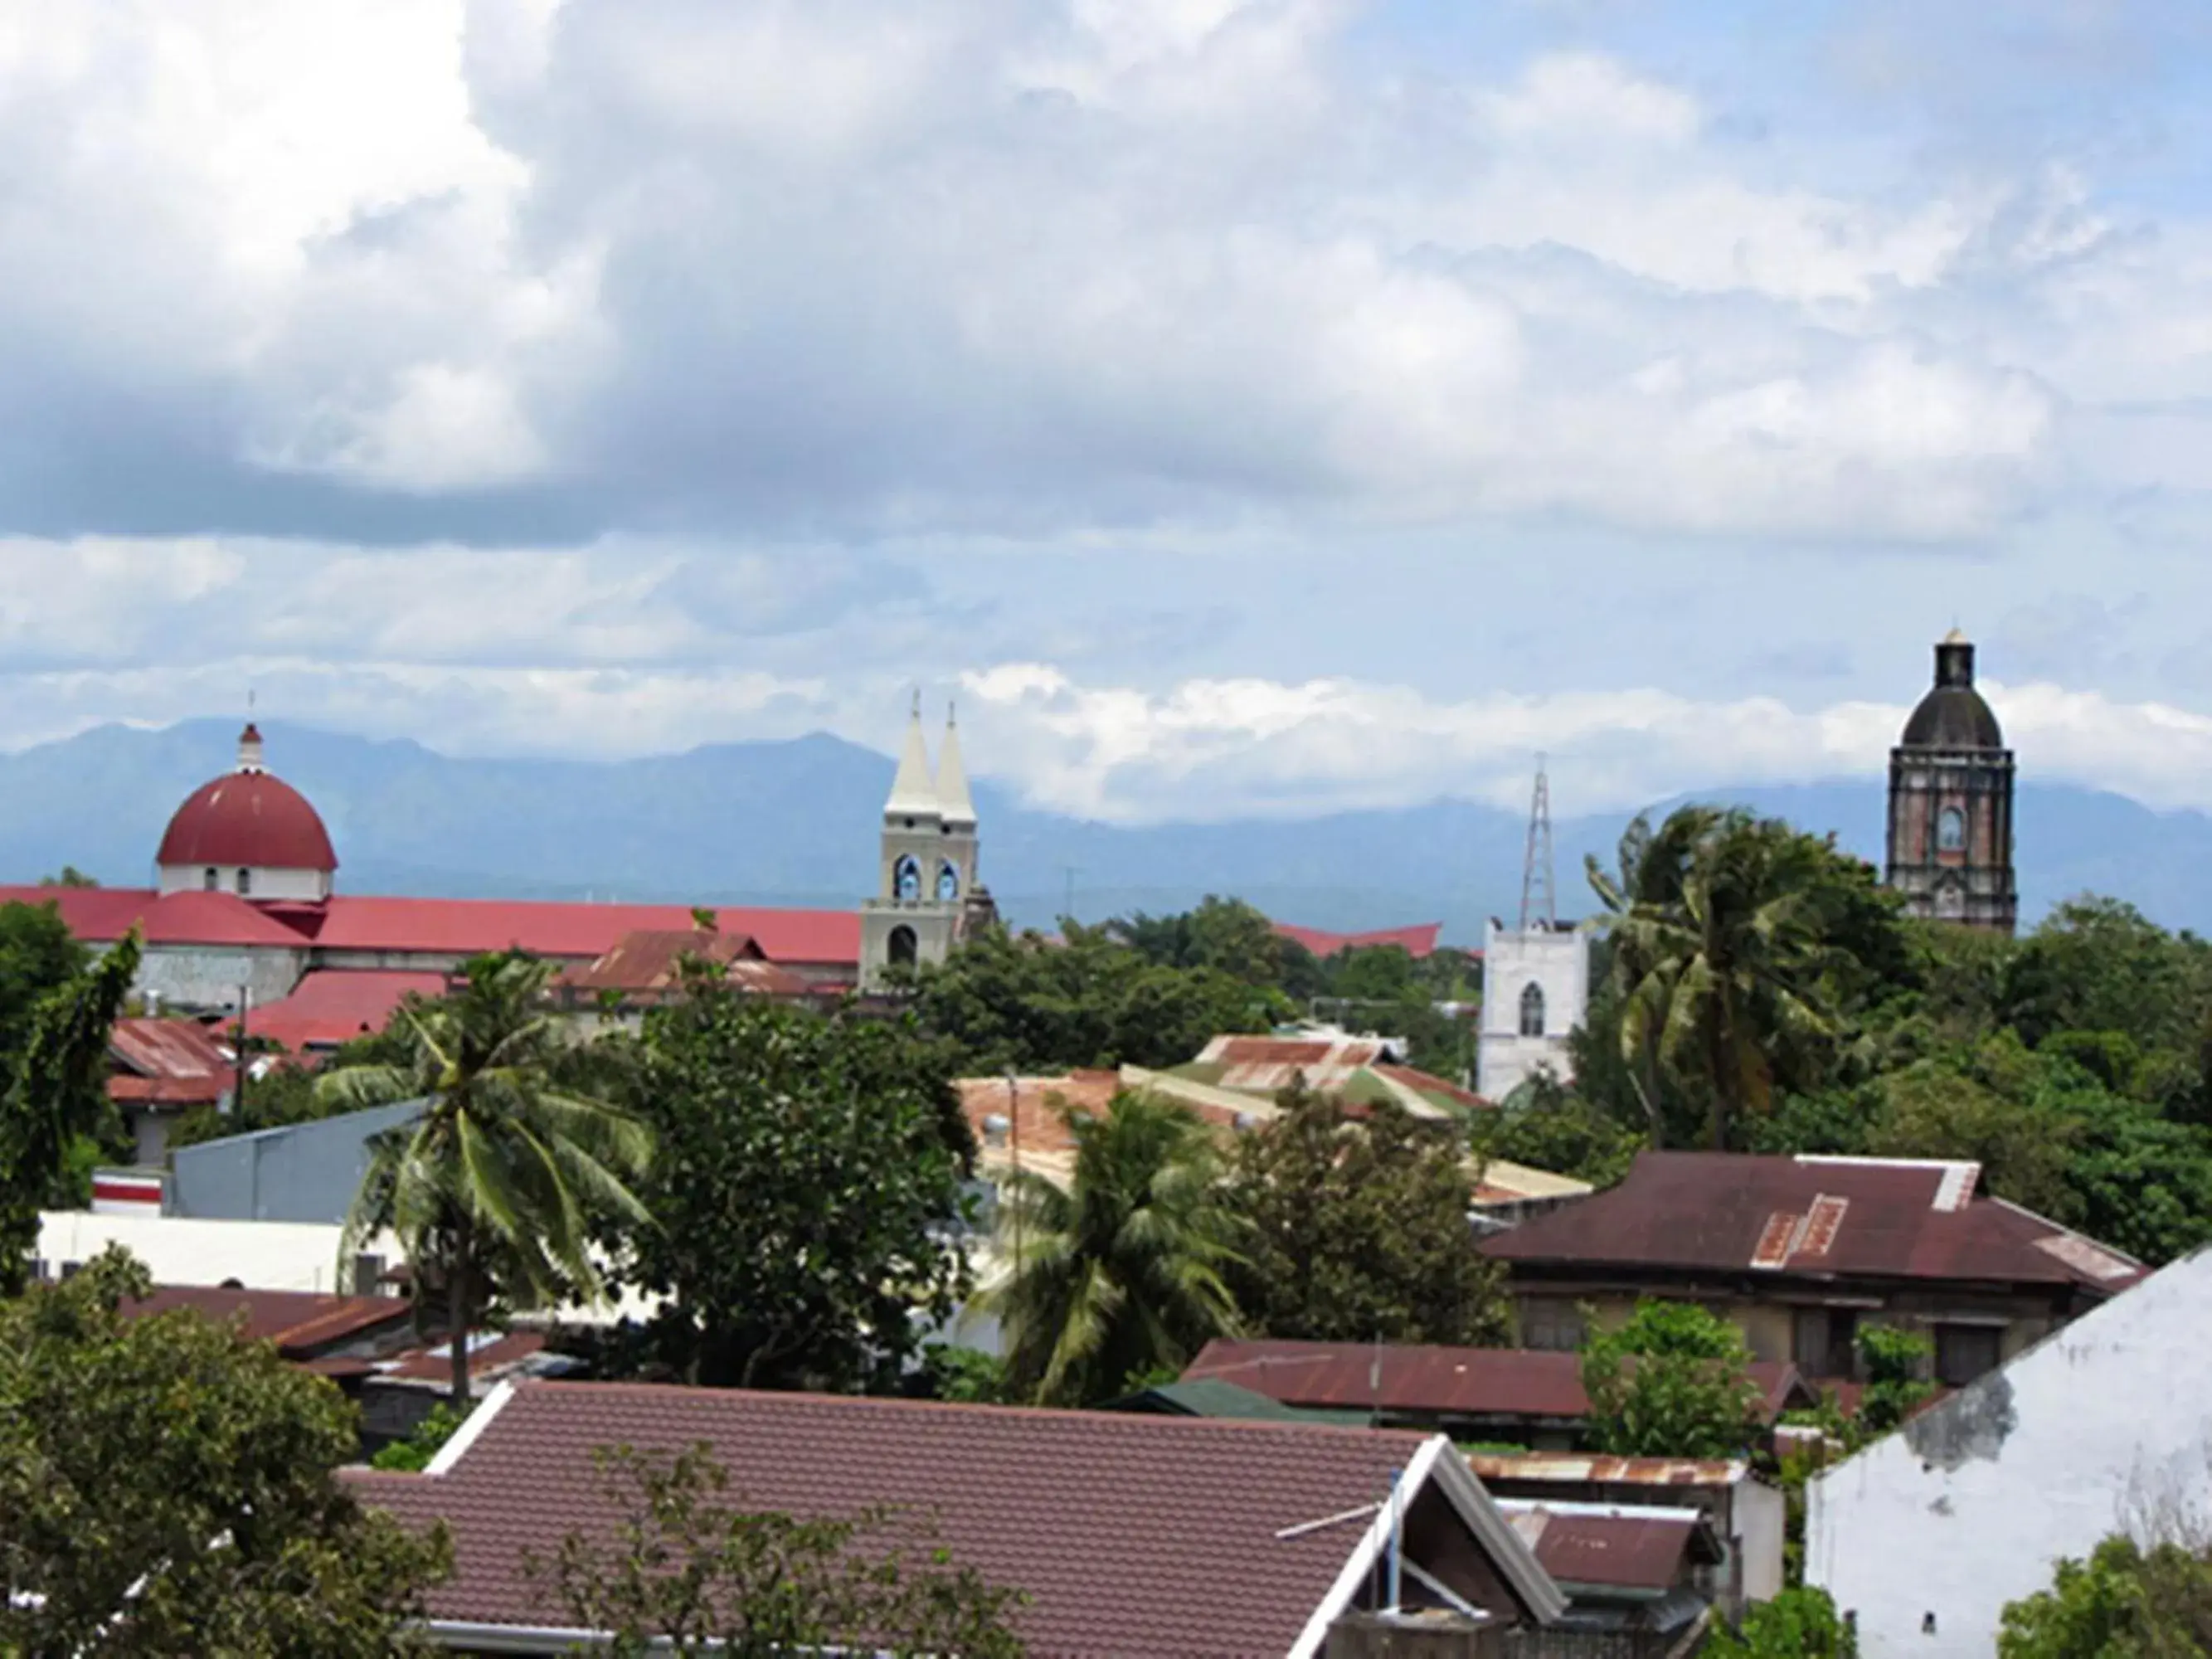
[(794, 822)]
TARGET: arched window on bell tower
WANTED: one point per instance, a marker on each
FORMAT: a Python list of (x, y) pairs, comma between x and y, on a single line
[(1951, 831), (906, 879), (900, 947), (1532, 1011)]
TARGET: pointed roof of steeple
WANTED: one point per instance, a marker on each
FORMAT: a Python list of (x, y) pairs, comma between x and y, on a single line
[(953, 801), (913, 792)]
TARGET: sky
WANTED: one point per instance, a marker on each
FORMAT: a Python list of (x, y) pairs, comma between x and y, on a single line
[(1233, 406)]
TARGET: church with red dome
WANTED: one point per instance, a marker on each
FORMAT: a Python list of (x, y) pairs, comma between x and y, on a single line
[(246, 911)]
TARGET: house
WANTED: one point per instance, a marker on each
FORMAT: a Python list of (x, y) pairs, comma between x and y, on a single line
[(1359, 1071), (1130, 1535), (1513, 1395), (177, 1250), (332, 1334), (1746, 1513), (1799, 1251), (1925, 1536), (159, 1069), (646, 966), (401, 1389), (1639, 1568)]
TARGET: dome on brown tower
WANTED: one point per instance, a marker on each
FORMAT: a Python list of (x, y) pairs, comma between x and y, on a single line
[(1952, 715)]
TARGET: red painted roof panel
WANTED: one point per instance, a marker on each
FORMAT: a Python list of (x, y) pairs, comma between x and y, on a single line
[(253, 819), (583, 932), (1416, 941)]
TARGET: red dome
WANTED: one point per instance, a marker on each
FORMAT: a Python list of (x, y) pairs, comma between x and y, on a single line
[(250, 819)]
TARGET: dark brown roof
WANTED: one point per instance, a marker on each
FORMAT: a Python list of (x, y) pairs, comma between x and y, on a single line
[(1827, 1217), (301, 1323), (1131, 1535), (1611, 1548), (1439, 1381), (652, 959)]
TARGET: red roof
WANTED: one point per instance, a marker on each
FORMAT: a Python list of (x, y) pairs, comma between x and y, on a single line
[(1131, 1535), (301, 1323), (1418, 941), (332, 1006), (100, 915), (167, 1062), (254, 819), (651, 960), (580, 931), (1825, 1217), (1419, 1381)]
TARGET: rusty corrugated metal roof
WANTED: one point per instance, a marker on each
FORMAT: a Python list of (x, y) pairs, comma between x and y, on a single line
[(1590, 1469), (1612, 1547)]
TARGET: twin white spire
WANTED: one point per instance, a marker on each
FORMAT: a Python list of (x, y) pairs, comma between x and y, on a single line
[(917, 791)]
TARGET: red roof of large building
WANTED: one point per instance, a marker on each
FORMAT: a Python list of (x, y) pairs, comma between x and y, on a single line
[(586, 932), (249, 818), (1131, 1535), (1408, 1379), (1416, 941), (101, 914), (332, 1006), (1874, 1217)]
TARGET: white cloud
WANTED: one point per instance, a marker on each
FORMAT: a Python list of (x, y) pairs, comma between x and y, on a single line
[(1580, 97)]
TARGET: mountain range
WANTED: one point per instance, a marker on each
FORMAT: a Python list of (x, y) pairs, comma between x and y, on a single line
[(795, 821)]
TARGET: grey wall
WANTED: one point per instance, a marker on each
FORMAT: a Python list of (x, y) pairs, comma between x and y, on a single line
[(302, 1172)]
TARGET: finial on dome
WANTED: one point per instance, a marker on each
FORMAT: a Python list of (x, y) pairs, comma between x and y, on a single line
[(249, 749), (1955, 637)]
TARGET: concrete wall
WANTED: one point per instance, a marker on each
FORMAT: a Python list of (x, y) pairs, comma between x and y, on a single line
[(208, 977), (1970, 1504), (303, 1172), (260, 1256)]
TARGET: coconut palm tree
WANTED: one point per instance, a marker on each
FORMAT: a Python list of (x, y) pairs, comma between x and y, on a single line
[(1122, 1275), (493, 1189), (1718, 944)]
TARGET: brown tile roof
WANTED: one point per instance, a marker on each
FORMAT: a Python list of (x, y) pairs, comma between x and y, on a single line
[(301, 1323), (651, 959), (1891, 1219), (1131, 1535), (1441, 1382), (1622, 1548)]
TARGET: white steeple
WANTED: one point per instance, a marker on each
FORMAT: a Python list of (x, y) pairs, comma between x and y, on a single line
[(913, 792), (953, 801)]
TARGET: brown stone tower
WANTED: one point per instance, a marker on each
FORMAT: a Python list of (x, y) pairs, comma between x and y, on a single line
[(1950, 803)]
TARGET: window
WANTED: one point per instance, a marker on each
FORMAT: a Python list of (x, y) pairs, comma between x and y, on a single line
[(1963, 1352), (1951, 831), (1550, 1322), (1532, 1011), (244, 883), (948, 881), (1823, 1342), (209, 880), (900, 947), (905, 879)]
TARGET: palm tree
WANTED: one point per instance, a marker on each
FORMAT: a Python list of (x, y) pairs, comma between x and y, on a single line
[(1719, 951), (494, 1188), (1120, 1274)]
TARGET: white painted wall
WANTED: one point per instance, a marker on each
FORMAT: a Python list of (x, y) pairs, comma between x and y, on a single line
[(262, 1255), (1970, 1505), (1557, 961), (263, 881)]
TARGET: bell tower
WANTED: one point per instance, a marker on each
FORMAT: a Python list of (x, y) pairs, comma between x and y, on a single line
[(929, 894), (1950, 803)]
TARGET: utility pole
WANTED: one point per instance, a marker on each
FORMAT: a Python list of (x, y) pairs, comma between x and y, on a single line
[(1067, 898), (238, 1087), (1014, 1135)]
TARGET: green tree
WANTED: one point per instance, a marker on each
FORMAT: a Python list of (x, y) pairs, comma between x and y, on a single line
[(1359, 1229), (1798, 1624), (1225, 934), (1672, 1381), (1560, 1130), (1722, 959), (413, 1455), (54, 1103), (807, 1179), (1085, 999), (1123, 1272), (687, 1572), (2125, 1603), (38, 956), (493, 1190), (167, 1486), (1894, 1363)]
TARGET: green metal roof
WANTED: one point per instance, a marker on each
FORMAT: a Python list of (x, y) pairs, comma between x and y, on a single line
[(1207, 1397)]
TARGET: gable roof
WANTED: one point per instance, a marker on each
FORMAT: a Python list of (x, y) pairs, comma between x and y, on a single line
[(330, 1007), (301, 1323), (1131, 1535), (1623, 1548), (652, 958), (166, 1062), (1832, 1216), (101, 914), (1408, 1379)]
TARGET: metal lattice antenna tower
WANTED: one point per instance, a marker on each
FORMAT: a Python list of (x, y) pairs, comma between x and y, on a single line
[(1536, 899)]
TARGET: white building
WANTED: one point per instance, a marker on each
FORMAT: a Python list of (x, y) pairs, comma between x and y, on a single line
[(1535, 990), (1924, 1536)]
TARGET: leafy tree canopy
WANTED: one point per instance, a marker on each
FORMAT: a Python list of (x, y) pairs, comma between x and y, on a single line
[(1671, 1381), (167, 1486), (2125, 1603), (804, 1195), (1798, 1624), (1359, 1229)]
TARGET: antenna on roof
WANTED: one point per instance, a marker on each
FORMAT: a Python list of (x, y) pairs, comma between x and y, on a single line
[(1536, 899)]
